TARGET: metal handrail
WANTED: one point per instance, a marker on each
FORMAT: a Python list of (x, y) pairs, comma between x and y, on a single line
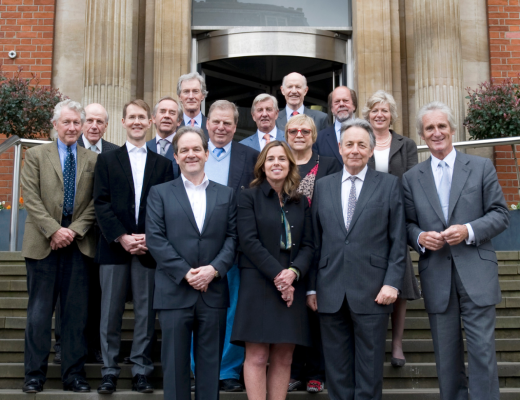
[(471, 144)]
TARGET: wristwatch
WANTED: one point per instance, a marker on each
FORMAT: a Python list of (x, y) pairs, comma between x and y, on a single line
[(217, 274)]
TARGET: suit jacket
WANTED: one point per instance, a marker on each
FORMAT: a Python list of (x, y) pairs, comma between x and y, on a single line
[(327, 144), (176, 243), (253, 142), (320, 118), (114, 201), (475, 198), (358, 263), (403, 155), (241, 166), (105, 145), (42, 183), (152, 145), (204, 120)]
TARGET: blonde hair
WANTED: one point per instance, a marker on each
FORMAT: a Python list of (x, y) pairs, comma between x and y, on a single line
[(381, 97), (301, 120)]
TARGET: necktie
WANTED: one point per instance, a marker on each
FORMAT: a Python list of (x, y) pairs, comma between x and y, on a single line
[(294, 113), (93, 148), (267, 138), (69, 180), (192, 122), (218, 151), (444, 189), (162, 144), (351, 200)]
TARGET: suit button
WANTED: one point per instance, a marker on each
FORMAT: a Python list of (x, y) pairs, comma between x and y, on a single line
[(61, 205), (242, 187), (133, 205), (449, 258), (347, 242)]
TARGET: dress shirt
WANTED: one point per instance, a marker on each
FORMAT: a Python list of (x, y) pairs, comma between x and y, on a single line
[(227, 148), (169, 139), (198, 120), (197, 198), (382, 157), (337, 129), (289, 111), (137, 157), (261, 137), (88, 145), (437, 176)]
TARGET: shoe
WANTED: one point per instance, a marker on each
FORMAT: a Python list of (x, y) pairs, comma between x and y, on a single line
[(231, 385), (294, 385), (127, 361), (79, 385), (398, 362), (140, 384), (57, 357), (94, 357), (314, 386), (33, 386), (108, 384)]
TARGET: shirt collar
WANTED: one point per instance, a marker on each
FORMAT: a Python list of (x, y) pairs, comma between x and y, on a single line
[(272, 133), (168, 138), (204, 184), (198, 120), (449, 159), (212, 147), (360, 176), (131, 148), (289, 111), (63, 146), (87, 143)]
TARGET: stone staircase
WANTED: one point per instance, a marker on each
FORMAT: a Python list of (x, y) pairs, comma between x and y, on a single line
[(416, 381)]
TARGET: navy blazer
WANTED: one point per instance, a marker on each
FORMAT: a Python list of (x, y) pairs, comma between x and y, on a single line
[(105, 145), (327, 144), (152, 145), (241, 166)]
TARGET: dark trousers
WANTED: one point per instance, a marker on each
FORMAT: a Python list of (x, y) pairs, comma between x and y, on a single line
[(479, 327), (208, 326), (354, 350), (63, 272)]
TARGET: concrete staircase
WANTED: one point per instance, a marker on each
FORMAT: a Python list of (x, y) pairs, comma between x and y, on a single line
[(417, 380)]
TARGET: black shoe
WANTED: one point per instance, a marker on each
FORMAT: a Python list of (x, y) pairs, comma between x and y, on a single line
[(33, 386), (94, 357), (57, 357), (79, 385), (126, 360), (140, 384), (231, 385), (108, 384), (397, 362)]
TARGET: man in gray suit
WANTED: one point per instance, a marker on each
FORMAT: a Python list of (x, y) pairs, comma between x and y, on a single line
[(264, 112), (359, 224), (454, 206), (294, 88)]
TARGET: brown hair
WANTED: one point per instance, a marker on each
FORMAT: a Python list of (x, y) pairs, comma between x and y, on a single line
[(189, 129), (300, 120), (138, 103), (292, 181), (353, 96)]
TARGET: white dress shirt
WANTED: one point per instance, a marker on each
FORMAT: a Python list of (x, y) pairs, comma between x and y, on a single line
[(169, 139), (137, 157), (88, 145), (381, 157), (197, 198), (198, 120), (261, 137), (289, 111)]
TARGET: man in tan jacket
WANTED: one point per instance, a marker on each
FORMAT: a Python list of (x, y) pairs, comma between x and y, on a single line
[(57, 181)]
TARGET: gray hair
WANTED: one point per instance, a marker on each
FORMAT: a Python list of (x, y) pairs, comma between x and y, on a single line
[(381, 97), (224, 105), (179, 107), (359, 123), (71, 105), (189, 129), (431, 107), (304, 79), (106, 112), (189, 77), (263, 97)]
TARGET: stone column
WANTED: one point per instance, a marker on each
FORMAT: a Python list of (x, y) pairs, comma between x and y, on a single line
[(438, 57), (108, 60)]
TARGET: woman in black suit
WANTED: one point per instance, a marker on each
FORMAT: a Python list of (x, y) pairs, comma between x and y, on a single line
[(301, 133), (276, 249)]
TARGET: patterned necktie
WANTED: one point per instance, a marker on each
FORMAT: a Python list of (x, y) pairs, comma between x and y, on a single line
[(69, 180), (267, 138), (444, 189), (192, 122), (162, 144), (351, 200), (294, 113), (218, 151)]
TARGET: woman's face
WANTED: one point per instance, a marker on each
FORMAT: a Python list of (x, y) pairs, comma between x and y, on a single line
[(276, 164), (299, 137), (380, 117)]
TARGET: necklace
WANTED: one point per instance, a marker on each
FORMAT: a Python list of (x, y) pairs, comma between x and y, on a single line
[(385, 142)]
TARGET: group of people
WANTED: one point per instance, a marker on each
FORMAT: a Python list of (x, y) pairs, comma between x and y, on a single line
[(287, 250)]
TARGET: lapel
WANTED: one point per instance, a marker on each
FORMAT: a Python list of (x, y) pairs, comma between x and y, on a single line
[(369, 185), (331, 140), (430, 190), (80, 162), (80, 141), (236, 166), (282, 119), (335, 188), (254, 142), (280, 135), (458, 180), (124, 159), (179, 191), (148, 171), (54, 158), (395, 144), (211, 199)]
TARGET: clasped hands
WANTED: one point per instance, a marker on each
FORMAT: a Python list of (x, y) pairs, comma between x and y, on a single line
[(435, 240), (135, 243), (62, 238), (283, 282), (200, 278)]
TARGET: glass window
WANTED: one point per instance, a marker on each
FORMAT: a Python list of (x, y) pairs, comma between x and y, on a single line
[(313, 13)]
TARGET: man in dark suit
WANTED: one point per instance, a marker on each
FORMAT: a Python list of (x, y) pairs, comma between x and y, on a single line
[(343, 104), (94, 128), (294, 88), (191, 230), (454, 207), (191, 89), (359, 224), (123, 179), (166, 116)]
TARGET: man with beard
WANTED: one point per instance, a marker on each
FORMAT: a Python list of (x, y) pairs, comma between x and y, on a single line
[(343, 104)]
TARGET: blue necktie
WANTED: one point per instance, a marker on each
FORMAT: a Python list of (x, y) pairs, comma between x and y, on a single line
[(444, 189), (69, 181), (218, 151)]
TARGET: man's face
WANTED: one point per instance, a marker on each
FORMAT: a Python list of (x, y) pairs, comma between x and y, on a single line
[(166, 119), (342, 106), (437, 133), (355, 149), (95, 123), (264, 114), (191, 95), (136, 122), (221, 126), (294, 90), (68, 126), (190, 155)]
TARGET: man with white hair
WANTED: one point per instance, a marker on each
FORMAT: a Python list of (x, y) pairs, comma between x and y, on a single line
[(191, 89), (294, 88), (94, 128)]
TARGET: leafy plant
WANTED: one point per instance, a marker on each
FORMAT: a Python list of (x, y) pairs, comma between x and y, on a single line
[(26, 108), (494, 110)]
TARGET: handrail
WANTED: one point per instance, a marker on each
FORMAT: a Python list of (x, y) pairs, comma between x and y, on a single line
[(471, 144)]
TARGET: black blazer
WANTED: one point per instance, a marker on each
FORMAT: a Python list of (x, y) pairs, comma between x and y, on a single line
[(114, 201), (241, 166), (403, 155), (177, 245), (105, 145), (327, 144), (204, 120), (328, 165), (152, 145)]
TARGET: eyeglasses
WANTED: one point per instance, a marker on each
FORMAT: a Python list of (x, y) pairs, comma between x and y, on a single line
[(304, 132)]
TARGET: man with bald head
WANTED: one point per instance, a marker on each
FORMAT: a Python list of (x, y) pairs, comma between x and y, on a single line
[(94, 128), (294, 88)]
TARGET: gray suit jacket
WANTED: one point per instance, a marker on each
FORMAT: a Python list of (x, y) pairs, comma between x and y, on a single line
[(320, 118), (475, 198), (105, 145), (253, 142), (358, 263)]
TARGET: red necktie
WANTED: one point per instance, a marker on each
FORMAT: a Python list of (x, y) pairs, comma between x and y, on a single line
[(295, 113), (192, 122)]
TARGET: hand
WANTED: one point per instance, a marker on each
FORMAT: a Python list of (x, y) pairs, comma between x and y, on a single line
[(128, 242), (201, 277), (312, 302), (62, 238), (284, 279), (140, 241), (431, 240), (387, 295), (288, 295), (455, 234)]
